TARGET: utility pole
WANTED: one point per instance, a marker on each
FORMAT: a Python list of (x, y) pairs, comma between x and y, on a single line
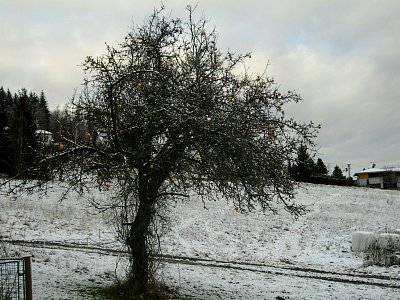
[(348, 169)]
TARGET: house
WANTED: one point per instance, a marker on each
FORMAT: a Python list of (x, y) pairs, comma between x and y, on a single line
[(44, 137), (386, 178), (101, 137)]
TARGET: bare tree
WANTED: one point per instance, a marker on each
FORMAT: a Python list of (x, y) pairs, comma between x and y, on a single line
[(181, 116)]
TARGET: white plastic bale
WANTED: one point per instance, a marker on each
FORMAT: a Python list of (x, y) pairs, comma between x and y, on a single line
[(389, 241), (361, 241)]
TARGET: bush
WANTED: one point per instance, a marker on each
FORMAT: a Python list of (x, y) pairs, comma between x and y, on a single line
[(328, 180)]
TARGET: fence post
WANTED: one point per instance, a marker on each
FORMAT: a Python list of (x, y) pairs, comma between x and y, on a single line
[(28, 278)]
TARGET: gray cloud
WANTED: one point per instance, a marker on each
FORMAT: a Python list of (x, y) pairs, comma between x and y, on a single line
[(341, 56)]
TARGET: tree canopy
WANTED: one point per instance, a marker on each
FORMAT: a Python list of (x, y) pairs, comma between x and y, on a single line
[(180, 116)]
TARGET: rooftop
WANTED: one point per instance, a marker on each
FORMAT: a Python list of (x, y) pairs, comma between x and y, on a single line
[(378, 170)]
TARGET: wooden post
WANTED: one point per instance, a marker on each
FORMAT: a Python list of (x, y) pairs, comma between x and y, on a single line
[(28, 278)]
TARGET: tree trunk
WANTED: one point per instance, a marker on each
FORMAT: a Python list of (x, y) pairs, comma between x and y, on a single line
[(139, 274), (137, 240)]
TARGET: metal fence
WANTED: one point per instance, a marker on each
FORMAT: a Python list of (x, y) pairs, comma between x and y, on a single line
[(15, 279)]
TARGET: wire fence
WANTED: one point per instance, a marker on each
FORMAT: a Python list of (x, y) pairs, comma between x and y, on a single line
[(15, 279)]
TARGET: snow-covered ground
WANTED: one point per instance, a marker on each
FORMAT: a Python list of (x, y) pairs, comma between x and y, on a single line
[(242, 256)]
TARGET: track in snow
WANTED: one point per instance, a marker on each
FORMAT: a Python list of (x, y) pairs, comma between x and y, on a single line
[(349, 278)]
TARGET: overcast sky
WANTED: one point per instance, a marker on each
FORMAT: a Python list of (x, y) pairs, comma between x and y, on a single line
[(341, 56)]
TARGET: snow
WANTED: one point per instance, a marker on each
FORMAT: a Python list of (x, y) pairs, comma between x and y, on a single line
[(379, 170), (244, 256), (42, 131)]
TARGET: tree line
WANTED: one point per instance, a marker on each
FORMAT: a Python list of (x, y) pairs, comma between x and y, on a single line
[(21, 115), (305, 169)]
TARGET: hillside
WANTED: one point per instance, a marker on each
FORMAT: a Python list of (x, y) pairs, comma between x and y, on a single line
[(241, 255)]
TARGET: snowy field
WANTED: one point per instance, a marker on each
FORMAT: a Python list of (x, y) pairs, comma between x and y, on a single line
[(214, 253)]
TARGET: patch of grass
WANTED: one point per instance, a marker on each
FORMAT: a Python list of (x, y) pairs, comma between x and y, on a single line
[(94, 293), (156, 291)]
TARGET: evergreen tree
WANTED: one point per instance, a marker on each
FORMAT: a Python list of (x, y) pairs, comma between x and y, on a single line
[(337, 173), (22, 141), (320, 168), (43, 113), (304, 165), (55, 124), (4, 166)]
